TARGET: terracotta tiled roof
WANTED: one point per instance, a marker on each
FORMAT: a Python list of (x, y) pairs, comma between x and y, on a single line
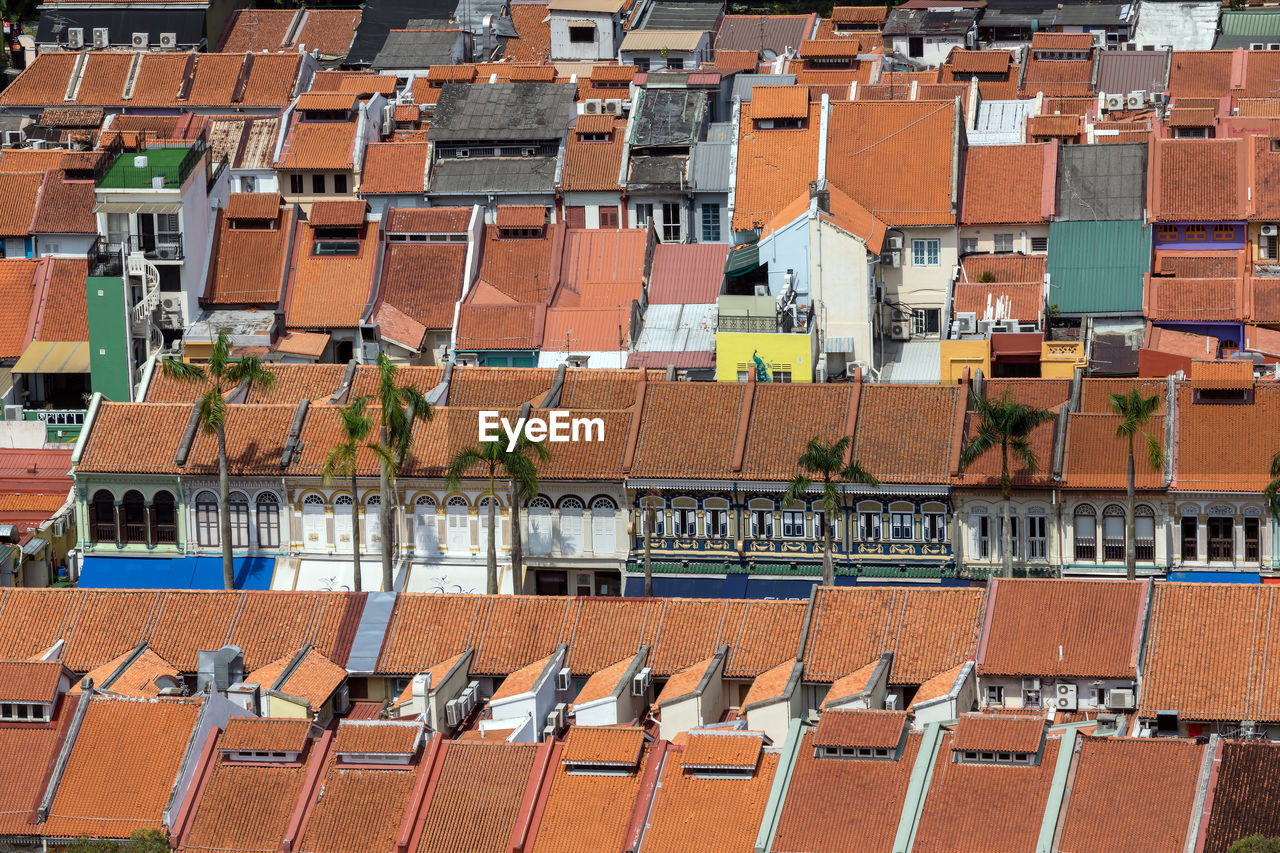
[(461, 816), (314, 679), (522, 680), (499, 327), (977, 802), (895, 159), (1222, 375), (728, 751), (248, 265), (769, 102), (138, 680), (784, 417), (26, 752), (603, 745), (1008, 184), (1096, 459), (319, 145), (850, 685), (1095, 394), (1266, 180), (65, 315), (1159, 777), (329, 31), (859, 14), (830, 801), (872, 729), (521, 216), (732, 61), (29, 681), (1047, 394), (1044, 126), (602, 683), (687, 804), (594, 165), (1005, 268), (587, 812), (978, 61), (394, 167), (22, 191), (896, 448), (774, 167), (122, 769), (64, 207), (348, 213), (327, 101), (428, 220), (424, 280), (257, 29), (251, 734), (1248, 781), (1056, 77), (683, 683), (330, 291), (770, 684), (253, 206), (937, 687), (1022, 302), (998, 733), (245, 807), (518, 268), (669, 411), (928, 631), (1205, 462), (1218, 193), (360, 811), (380, 737)]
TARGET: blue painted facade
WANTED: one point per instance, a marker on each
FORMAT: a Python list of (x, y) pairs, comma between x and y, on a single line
[(1200, 236)]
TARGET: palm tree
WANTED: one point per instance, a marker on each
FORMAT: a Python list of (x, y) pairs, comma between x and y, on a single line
[(1272, 492), (649, 504), (1135, 412), (496, 461), (221, 375), (342, 461), (1005, 424), (518, 497), (399, 408), (826, 462)]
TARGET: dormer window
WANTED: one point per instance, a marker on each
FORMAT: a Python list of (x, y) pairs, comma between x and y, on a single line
[(253, 224), (975, 757), (24, 712), (779, 124), (595, 137), (336, 241), (519, 233), (845, 27)]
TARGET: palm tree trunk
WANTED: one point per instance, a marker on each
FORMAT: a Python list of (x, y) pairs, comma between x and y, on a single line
[(649, 517), (1006, 539), (491, 564), (517, 539), (384, 520), (224, 511), (828, 571), (355, 530), (1130, 551)]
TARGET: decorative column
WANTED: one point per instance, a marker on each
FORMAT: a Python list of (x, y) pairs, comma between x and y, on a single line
[(115, 509), (146, 523)]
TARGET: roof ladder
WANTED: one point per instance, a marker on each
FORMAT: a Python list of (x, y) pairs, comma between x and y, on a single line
[(77, 74), (132, 81)]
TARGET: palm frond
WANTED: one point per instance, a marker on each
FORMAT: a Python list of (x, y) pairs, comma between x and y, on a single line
[(463, 461), (855, 473), (213, 410), (798, 488), (183, 371), (1155, 452)]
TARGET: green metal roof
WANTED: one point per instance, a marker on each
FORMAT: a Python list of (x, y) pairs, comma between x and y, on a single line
[(742, 259), (1097, 267), (1250, 23)]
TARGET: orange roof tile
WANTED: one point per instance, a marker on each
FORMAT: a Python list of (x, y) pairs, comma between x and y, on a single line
[(63, 206), (1248, 777), (603, 683), (1043, 126), (327, 101), (998, 733), (895, 159), (22, 190), (533, 33), (850, 685), (683, 683), (499, 327), (347, 213), (935, 688), (257, 29), (245, 807), (360, 812), (770, 684), (106, 625), (137, 680), (871, 729), (603, 745), (424, 280), (377, 737), (428, 220), (1217, 194), (1159, 776), (587, 812), (463, 816), (123, 767), (1222, 375), (29, 681), (594, 165), (831, 800), (253, 206), (1204, 461), (34, 619), (395, 167), (329, 31), (774, 166), (319, 145), (26, 752), (859, 14), (727, 751), (961, 61), (330, 291), (1093, 453), (969, 804), (521, 681), (770, 102), (248, 265), (65, 314), (251, 734), (929, 631), (521, 216), (1022, 302), (1008, 184), (686, 804), (519, 268), (314, 679), (897, 448), (311, 344)]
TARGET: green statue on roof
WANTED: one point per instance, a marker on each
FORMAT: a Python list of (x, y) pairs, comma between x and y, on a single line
[(762, 372)]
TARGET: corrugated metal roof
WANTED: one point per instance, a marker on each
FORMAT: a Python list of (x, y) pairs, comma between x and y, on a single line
[(1133, 71), (686, 273), (742, 83), (1102, 182), (1250, 23), (711, 166), (1000, 122), (1098, 267), (721, 131), (678, 328)]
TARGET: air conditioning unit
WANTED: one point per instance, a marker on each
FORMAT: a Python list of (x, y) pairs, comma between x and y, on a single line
[(13, 413), (900, 330), (985, 326), (1115, 102), (168, 41), (1007, 326), (967, 321), (452, 716), (1065, 696), (1159, 98), (388, 119), (528, 152), (642, 682), (891, 701), (593, 106), (894, 241), (75, 38), (561, 713), (553, 724), (563, 679), (60, 526), (168, 252), (614, 106), (891, 259), (100, 40), (1120, 699), (462, 152), (1030, 684), (549, 732), (1136, 100), (171, 305), (1265, 231), (39, 143), (14, 137), (141, 41)]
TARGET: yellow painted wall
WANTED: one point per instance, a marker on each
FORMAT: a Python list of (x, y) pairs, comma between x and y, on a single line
[(280, 708), (1059, 359), (955, 356), (792, 352)]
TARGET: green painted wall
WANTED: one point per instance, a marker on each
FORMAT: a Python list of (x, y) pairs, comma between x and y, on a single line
[(108, 337)]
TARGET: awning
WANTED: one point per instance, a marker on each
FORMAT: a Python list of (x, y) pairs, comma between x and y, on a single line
[(53, 357), (742, 259), (135, 207), (127, 572)]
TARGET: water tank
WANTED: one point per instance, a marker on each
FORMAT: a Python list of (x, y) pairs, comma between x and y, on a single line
[(140, 161)]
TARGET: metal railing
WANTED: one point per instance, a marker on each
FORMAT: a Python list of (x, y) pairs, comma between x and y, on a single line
[(104, 533), (1086, 549), (751, 325), (164, 534), (1112, 549), (1144, 550)]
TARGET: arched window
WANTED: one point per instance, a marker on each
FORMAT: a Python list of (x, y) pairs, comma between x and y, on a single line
[(373, 522), (103, 517), (659, 507), (761, 512), (819, 518), (716, 518), (571, 526), (684, 518), (133, 514), (483, 514), (1144, 533), (313, 527), (1113, 532), (342, 530), (457, 527), (239, 504), (424, 525), (539, 526), (1086, 533), (604, 526), (268, 520), (207, 520), (164, 519)]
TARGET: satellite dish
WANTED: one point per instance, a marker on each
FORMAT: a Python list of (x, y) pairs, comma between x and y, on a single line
[(769, 55)]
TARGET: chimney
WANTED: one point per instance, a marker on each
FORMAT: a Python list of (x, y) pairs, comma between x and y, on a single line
[(818, 189)]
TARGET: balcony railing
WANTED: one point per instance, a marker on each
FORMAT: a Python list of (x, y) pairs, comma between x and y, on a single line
[(1086, 549), (164, 534), (1112, 549), (1145, 550), (750, 325), (135, 532), (104, 533)]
